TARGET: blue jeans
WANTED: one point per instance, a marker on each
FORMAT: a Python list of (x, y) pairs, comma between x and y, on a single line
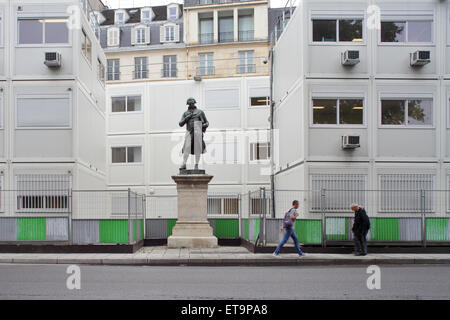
[(289, 233)]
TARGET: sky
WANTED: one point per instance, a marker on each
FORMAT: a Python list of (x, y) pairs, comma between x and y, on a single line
[(141, 3)]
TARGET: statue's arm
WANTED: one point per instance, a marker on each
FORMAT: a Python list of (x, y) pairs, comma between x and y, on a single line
[(184, 119), (205, 123)]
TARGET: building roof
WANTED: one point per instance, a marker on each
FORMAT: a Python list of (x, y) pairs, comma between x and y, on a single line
[(135, 14)]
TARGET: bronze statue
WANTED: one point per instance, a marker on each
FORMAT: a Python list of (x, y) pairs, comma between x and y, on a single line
[(196, 124)]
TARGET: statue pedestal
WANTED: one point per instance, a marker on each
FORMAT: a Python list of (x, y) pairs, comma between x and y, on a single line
[(192, 229)]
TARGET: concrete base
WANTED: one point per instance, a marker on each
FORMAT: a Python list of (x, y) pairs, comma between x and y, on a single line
[(192, 229)]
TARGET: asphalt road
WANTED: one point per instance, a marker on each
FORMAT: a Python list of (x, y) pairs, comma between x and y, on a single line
[(145, 282)]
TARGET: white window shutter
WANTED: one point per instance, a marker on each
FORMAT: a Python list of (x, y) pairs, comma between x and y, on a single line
[(133, 36), (177, 33), (162, 33), (147, 35)]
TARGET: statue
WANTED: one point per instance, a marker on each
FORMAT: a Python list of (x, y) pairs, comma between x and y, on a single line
[(196, 124)]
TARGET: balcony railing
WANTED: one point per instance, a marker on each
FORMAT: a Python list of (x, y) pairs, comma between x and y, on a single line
[(246, 35), (205, 71), (140, 74), (168, 72), (246, 68), (113, 76), (206, 38), (226, 36)]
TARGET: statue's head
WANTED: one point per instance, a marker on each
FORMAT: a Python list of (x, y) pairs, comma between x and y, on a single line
[(191, 102)]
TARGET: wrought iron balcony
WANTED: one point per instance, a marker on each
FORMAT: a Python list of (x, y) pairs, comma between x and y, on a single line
[(206, 38), (246, 35), (168, 72), (205, 71), (246, 68), (226, 36)]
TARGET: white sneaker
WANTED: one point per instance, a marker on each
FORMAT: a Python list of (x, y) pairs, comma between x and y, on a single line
[(276, 255)]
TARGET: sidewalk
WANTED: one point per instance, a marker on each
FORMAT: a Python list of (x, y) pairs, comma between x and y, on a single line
[(222, 256)]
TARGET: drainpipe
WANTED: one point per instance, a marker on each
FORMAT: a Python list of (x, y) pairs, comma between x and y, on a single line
[(272, 105)]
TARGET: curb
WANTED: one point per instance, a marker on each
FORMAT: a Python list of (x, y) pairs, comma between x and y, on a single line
[(227, 262)]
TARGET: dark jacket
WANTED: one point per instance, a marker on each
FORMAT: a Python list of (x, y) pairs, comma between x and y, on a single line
[(361, 225)]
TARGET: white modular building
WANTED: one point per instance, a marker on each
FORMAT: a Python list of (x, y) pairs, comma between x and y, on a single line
[(52, 103), (362, 98)]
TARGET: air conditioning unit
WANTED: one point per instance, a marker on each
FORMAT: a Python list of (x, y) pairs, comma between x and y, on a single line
[(420, 57), (350, 142), (52, 59), (350, 57)]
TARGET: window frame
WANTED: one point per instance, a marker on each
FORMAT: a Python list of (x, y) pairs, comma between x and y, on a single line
[(43, 44), (337, 96), (253, 145), (126, 104), (207, 61), (401, 16), (116, 21), (337, 15), (247, 64), (173, 27), (144, 68), (223, 198), (126, 163), (170, 70), (43, 96), (85, 36), (169, 7), (141, 29), (405, 97), (116, 30), (144, 20), (113, 67)]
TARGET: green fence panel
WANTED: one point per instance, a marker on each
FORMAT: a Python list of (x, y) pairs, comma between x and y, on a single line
[(309, 231), (113, 231), (227, 228), (256, 229), (246, 229), (336, 229), (170, 224), (384, 229), (436, 229), (31, 229), (135, 230)]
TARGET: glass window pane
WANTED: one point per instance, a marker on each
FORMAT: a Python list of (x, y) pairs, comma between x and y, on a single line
[(393, 112), (118, 155), (350, 30), (118, 104), (324, 111), (420, 112), (419, 31), (351, 111), (393, 31), (134, 103), (134, 154), (30, 31), (43, 112), (56, 31), (324, 30), (259, 101)]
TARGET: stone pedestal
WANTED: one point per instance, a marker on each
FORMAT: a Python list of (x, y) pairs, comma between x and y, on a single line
[(192, 229)]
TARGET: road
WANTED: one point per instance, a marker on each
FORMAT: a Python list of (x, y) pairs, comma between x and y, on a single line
[(146, 282)]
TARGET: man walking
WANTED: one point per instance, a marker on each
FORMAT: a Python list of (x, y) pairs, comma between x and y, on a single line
[(288, 227), (361, 227)]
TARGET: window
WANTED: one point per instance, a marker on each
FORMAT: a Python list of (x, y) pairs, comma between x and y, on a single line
[(43, 111), (259, 97), (222, 98), (259, 151), (170, 33), (245, 26), (172, 13), (246, 62), (119, 17), (206, 30), (407, 112), (206, 67), (100, 71), (340, 191), (140, 68), (146, 15), (126, 154), (43, 192), (140, 35), (342, 111), (337, 30), (402, 192), (113, 37), (169, 66), (43, 31), (413, 31), (222, 205), (113, 69), (126, 103), (86, 46), (226, 29)]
